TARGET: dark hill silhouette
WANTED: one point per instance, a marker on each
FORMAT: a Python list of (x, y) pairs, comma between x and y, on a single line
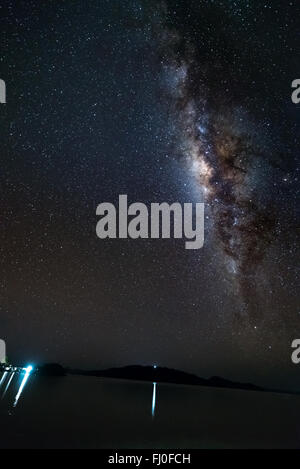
[(165, 375), (51, 369)]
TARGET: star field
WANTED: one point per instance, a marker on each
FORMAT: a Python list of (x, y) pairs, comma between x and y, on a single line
[(163, 101)]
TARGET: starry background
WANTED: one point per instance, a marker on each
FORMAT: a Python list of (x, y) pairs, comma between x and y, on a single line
[(163, 101)]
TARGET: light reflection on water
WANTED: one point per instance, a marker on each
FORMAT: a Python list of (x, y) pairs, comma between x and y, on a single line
[(3, 379), (26, 374), (7, 379), (8, 383), (28, 370), (153, 399)]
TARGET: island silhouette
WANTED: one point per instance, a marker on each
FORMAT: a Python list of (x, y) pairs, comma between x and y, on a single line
[(147, 373)]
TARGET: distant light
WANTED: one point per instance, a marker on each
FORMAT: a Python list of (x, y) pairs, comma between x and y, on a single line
[(29, 369), (154, 366)]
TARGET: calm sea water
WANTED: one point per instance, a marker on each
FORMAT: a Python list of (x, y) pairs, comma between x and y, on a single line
[(88, 412)]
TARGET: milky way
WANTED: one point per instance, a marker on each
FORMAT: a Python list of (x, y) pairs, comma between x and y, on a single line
[(224, 151)]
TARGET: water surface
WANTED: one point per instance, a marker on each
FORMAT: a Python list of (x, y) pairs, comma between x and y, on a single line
[(91, 412)]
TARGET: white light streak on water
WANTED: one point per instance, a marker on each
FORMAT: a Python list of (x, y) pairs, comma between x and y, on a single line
[(153, 399), (24, 380), (8, 384)]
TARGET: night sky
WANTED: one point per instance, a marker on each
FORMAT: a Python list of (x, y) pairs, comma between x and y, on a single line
[(165, 101)]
